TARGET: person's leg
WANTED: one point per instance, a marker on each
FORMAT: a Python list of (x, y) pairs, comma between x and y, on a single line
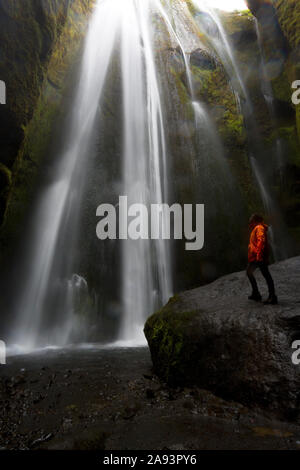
[(250, 273), (269, 280)]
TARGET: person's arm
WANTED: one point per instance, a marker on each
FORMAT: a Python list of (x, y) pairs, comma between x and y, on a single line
[(261, 243)]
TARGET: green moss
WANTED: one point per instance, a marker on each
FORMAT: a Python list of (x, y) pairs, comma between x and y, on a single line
[(288, 12), (289, 19), (298, 120), (282, 87), (163, 331), (290, 136), (213, 88), (5, 174), (25, 177), (191, 7), (30, 31), (180, 87), (237, 22)]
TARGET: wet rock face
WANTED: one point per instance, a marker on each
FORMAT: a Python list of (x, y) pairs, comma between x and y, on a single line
[(40, 52), (214, 337), (274, 43), (200, 58), (29, 33), (256, 5), (288, 12)]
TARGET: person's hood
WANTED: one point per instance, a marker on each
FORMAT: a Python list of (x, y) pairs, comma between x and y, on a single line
[(253, 226), (266, 227)]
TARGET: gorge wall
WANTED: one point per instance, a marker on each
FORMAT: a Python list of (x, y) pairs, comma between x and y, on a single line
[(280, 26), (40, 42), (41, 45)]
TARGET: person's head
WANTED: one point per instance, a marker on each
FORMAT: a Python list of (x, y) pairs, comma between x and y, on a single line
[(255, 219)]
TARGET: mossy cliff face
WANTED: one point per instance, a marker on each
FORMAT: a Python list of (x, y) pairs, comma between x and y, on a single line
[(276, 26), (200, 176), (214, 90), (279, 24), (275, 131), (40, 44), (289, 19), (288, 13)]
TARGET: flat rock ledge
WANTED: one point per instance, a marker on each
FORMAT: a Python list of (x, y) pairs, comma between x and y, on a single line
[(214, 337)]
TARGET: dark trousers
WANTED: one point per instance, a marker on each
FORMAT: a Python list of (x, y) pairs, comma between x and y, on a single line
[(266, 274)]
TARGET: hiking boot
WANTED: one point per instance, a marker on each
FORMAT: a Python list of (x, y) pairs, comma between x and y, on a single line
[(272, 300), (255, 296)]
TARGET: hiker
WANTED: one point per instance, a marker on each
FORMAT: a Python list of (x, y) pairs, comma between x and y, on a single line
[(258, 257)]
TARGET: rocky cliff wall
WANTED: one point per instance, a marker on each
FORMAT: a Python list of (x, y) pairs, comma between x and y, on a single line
[(40, 44)]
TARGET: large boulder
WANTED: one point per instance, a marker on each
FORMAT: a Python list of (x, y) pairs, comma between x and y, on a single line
[(214, 337)]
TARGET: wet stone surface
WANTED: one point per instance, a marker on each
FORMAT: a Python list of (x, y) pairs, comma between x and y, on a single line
[(110, 399)]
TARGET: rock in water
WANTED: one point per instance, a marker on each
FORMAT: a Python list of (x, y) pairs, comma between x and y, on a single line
[(214, 337)]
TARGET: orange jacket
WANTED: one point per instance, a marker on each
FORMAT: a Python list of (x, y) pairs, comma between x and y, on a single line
[(258, 246)]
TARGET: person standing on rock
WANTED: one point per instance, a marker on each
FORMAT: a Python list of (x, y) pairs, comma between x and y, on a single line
[(258, 257)]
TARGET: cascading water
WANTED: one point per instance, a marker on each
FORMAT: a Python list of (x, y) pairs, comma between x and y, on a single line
[(267, 91), (62, 195), (209, 20), (214, 175), (124, 32), (146, 268), (212, 182), (268, 94), (144, 169)]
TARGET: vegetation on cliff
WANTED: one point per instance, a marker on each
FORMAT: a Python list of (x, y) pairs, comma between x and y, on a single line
[(40, 42)]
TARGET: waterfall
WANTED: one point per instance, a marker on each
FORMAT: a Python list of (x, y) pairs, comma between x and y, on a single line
[(279, 237), (268, 94), (44, 313), (61, 197), (221, 44), (144, 169), (121, 30), (212, 162), (55, 304)]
